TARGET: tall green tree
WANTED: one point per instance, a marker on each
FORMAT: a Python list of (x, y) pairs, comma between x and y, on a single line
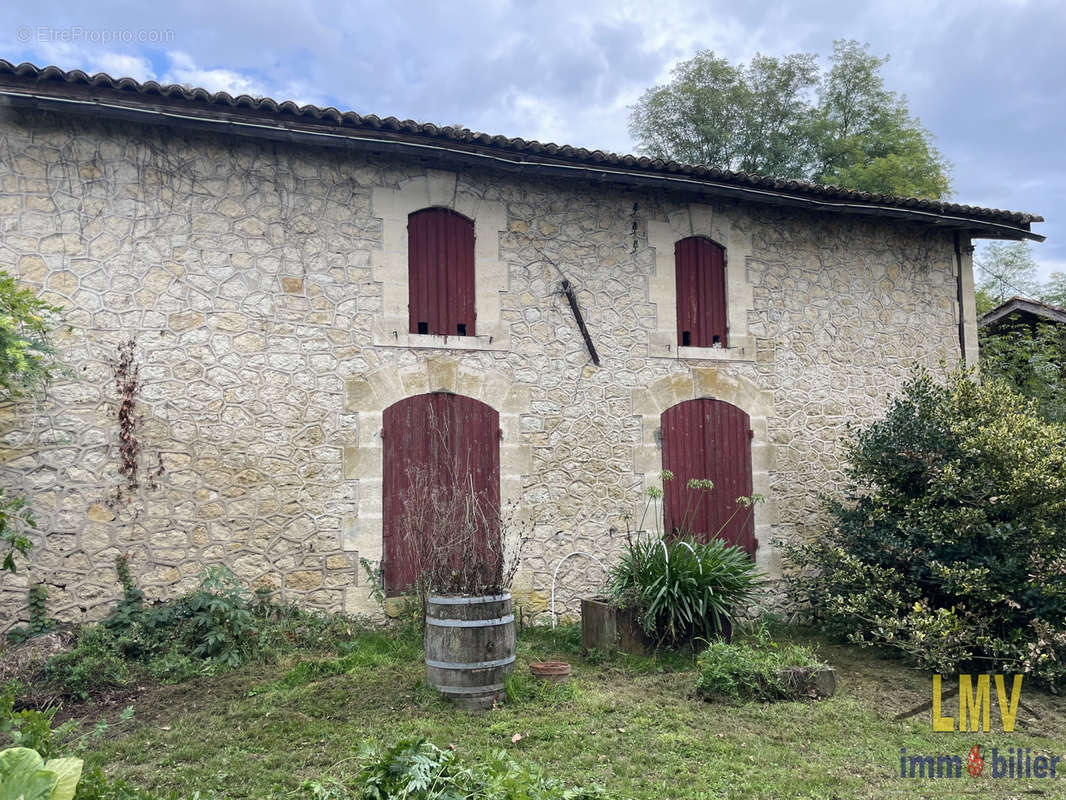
[(784, 117), (27, 363), (864, 135), (1055, 289), (752, 118), (1006, 270)]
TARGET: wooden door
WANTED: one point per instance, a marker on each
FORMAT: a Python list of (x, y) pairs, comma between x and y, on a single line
[(707, 438), (434, 441)]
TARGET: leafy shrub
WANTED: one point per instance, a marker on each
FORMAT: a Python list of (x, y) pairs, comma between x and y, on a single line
[(755, 670), (421, 771), (16, 520), (218, 625), (949, 541), (682, 589), (25, 775), (1032, 359), (95, 663), (27, 364)]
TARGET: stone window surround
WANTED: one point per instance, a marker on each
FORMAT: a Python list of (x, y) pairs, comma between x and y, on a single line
[(438, 188), (697, 219), (368, 396), (719, 384)]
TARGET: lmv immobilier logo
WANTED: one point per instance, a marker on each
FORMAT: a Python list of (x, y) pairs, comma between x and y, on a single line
[(975, 705), (975, 715)]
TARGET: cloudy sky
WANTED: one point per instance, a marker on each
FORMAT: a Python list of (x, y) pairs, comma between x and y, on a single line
[(987, 78)]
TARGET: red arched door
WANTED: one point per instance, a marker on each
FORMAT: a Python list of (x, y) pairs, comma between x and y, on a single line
[(707, 438), (435, 442)]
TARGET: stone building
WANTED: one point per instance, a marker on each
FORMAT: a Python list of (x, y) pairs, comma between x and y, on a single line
[(260, 256)]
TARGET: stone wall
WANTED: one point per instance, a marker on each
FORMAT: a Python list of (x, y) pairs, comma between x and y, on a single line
[(263, 285)]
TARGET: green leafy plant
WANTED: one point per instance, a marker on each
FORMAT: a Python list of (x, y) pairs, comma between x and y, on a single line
[(26, 351), (96, 662), (29, 727), (219, 618), (24, 775), (682, 589), (27, 364), (219, 625), (419, 770), (948, 542), (39, 621), (16, 519), (1032, 359), (755, 670)]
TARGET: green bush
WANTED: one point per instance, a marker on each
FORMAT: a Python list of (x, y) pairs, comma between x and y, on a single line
[(27, 364), (1032, 359), (219, 625), (95, 663), (949, 541), (758, 670), (30, 727), (680, 588)]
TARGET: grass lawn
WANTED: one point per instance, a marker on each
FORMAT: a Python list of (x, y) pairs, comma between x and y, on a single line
[(632, 725)]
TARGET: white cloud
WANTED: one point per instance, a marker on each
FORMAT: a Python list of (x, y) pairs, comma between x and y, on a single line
[(183, 70), (91, 58)]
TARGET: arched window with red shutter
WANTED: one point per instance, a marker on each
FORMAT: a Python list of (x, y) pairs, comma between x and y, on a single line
[(440, 247), (700, 286)]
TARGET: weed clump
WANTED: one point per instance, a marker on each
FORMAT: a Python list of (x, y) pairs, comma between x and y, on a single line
[(756, 670)]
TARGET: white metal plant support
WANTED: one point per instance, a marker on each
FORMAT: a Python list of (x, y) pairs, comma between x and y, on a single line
[(555, 575)]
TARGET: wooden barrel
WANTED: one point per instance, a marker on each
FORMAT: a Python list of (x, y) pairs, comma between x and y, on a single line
[(470, 644)]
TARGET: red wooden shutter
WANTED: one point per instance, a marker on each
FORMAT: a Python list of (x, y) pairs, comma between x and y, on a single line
[(455, 440), (440, 247), (700, 271), (707, 438)]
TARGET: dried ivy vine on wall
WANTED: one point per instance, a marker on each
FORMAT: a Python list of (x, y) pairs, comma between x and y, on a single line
[(127, 385)]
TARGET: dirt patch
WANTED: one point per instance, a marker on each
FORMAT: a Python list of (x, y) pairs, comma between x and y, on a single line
[(25, 661)]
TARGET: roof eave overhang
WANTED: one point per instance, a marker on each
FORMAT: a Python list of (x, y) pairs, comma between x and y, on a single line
[(1038, 310), (324, 135)]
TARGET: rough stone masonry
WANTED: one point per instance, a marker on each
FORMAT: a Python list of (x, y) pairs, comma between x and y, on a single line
[(264, 286)]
